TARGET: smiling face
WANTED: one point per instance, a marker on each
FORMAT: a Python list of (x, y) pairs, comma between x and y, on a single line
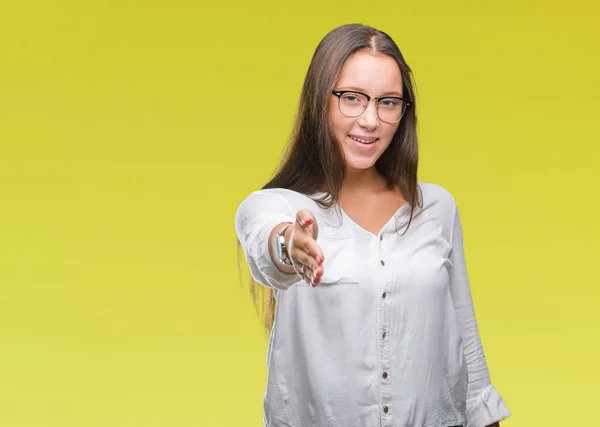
[(364, 138)]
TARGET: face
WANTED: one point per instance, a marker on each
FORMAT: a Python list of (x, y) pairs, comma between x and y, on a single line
[(377, 75)]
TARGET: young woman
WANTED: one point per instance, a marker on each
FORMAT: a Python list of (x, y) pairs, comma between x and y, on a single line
[(374, 322)]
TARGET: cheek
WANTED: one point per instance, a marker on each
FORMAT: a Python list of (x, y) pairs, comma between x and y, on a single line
[(386, 137), (388, 133), (338, 124)]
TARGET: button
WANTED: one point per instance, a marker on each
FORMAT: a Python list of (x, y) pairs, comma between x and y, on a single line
[(384, 375), (381, 237), (382, 263), (386, 409), (384, 335), (383, 295)]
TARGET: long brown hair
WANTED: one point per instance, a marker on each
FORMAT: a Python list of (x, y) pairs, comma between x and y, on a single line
[(314, 160)]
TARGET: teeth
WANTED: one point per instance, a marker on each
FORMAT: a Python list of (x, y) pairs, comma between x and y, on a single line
[(362, 141)]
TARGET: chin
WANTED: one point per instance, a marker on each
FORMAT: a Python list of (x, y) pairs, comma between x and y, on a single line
[(365, 161), (361, 164)]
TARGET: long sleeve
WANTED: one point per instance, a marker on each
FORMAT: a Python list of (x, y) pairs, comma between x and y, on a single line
[(255, 218), (484, 404)]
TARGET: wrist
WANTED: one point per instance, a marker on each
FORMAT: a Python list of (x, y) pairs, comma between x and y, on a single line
[(278, 248), (287, 235)]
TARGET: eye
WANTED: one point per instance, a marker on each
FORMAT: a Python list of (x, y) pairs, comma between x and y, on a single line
[(351, 98), (390, 102)]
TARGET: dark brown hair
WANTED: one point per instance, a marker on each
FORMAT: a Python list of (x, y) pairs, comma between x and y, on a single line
[(314, 161)]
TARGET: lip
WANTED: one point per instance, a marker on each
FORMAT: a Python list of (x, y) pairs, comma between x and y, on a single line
[(364, 137), (363, 147)]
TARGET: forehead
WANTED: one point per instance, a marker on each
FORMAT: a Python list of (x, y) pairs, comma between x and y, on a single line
[(375, 73)]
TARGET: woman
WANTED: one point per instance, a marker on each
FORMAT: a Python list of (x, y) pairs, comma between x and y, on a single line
[(374, 324)]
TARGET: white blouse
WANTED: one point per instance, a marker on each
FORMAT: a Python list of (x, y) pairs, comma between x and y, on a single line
[(389, 337)]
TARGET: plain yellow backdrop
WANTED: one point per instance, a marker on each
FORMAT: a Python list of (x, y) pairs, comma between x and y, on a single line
[(131, 130)]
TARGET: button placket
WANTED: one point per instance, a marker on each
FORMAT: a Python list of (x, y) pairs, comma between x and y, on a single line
[(385, 392)]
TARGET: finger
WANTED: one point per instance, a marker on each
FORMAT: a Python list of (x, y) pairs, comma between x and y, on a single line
[(302, 256), (313, 249), (312, 267), (304, 217), (299, 268), (308, 276), (303, 250), (307, 220), (307, 243), (300, 259), (316, 277), (304, 272), (311, 277), (312, 272)]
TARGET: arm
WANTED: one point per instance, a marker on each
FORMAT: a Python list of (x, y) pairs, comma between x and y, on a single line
[(485, 406), (257, 219)]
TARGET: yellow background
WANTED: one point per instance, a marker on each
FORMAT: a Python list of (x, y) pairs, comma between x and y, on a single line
[(131, 130)]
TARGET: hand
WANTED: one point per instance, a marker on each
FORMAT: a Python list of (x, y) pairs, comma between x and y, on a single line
[(304, 252)]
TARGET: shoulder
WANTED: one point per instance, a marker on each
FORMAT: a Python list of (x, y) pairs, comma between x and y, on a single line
[(439, 207), (283, 194), (438, 198), (277, 199)]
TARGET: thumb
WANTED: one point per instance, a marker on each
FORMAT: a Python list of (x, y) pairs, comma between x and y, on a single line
[(307, 220)]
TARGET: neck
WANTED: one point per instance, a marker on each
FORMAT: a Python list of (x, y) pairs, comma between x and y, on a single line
[(362, 180)]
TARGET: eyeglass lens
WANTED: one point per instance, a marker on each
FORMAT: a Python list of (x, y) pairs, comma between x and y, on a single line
[(354, 104)]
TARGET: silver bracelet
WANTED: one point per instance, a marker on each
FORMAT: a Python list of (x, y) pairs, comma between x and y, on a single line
[(282, 253)]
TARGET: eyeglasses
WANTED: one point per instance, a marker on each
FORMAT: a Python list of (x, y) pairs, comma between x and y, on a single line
[(390, 109)]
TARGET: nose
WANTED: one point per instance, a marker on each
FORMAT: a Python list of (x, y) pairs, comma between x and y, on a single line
[(368, 119)]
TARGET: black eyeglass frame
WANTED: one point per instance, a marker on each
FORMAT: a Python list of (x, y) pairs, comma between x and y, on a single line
[(339, 94)]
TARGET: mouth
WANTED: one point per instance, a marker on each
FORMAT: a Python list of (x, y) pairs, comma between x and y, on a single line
[(364, 140)]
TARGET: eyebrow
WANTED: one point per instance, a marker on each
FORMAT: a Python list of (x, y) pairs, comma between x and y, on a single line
[(358, 89)]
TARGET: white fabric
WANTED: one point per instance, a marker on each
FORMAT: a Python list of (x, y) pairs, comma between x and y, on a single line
[(327, 354)]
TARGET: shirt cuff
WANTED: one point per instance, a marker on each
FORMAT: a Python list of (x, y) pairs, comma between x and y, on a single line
[(486, 408)]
